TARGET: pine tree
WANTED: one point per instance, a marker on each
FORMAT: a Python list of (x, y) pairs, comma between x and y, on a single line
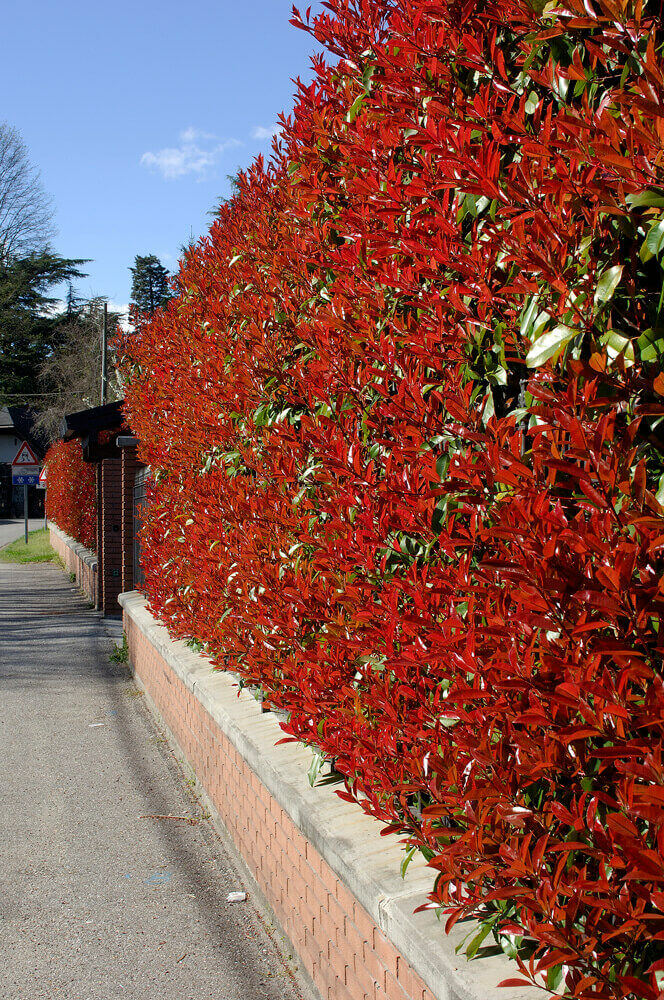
[(149, 285), (30, 326)]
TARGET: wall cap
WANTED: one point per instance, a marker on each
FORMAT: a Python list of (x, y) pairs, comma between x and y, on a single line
[(349, 840), (85, 555)]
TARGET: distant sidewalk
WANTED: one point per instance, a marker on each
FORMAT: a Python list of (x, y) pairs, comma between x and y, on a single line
[(100, 895)]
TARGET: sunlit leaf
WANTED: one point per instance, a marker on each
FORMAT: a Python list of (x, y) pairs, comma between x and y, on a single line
[(608, 282), (549, 345)]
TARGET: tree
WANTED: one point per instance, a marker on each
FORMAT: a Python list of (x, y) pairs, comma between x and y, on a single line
[(71, 376), (30, 328), (149, 285), (25, 211), (234, 184)]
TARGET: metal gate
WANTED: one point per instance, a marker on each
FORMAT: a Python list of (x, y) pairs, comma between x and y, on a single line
[(139, 501)]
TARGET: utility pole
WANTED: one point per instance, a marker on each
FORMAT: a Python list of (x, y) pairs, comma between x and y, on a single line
[(104, 338)]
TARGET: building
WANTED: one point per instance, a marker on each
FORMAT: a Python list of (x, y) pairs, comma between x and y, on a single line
[(16, 426)]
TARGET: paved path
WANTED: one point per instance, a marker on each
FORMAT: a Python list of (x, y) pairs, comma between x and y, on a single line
[(12, 529), (95, 902)]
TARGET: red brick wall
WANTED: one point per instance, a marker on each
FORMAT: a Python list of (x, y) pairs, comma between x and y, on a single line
[(86, 577), (110, 543), (100, 548), (342, 949), (129, 465)]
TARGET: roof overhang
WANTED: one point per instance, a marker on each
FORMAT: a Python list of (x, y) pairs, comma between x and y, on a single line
[(97, 418), (88, 424)]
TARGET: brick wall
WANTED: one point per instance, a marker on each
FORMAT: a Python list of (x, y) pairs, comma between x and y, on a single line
[(129, 465), (72, 553), (110, 539), (100, 550), (345, 953)]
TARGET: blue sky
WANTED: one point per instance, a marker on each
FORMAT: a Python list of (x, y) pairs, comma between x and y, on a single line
[(135, 112)]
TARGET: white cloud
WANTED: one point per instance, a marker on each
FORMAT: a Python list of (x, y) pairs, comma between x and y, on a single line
[(196, 153), (265, 133), (192, 134)]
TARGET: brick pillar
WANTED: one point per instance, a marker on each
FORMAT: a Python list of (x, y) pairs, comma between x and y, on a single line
[(111, 535), (129, 467), (100, 547)]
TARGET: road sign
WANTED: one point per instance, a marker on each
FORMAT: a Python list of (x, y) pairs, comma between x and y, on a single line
[(25, 475), (21, 478), (42, 479), (25, 456)]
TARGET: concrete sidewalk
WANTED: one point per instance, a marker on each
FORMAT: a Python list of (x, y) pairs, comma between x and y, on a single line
[(95, 901)]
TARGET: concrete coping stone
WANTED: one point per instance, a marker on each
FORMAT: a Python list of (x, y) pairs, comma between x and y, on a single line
[(85, 555), (349, 840)]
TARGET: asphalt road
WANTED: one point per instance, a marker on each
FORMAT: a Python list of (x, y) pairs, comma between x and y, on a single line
[(10, 530), (96, 901)]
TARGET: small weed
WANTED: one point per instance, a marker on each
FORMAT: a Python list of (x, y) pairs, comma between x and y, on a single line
[(120, 652), (72, 577)]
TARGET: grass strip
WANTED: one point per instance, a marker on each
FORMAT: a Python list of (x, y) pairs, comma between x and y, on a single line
[(37, 550)]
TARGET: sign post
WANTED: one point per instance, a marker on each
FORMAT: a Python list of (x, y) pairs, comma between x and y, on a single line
[(25, 472)]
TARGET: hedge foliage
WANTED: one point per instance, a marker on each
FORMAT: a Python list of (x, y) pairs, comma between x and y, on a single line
[(405, 418), (71, 494)]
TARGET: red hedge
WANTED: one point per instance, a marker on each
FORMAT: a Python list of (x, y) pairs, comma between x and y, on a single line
[(404, 418), (71, 492)]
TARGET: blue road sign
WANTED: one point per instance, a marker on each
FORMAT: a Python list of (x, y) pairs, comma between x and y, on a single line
[(25, 479)]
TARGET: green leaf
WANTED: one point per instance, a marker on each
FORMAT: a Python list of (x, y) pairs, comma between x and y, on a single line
[(608, 282), (355, 107), (485, 930), (617, 344), (651, 344), (646, 199), (532, 102), (510, 944), (528, 315), (654, 241), (489, 408), (554, 977), (366, 77), (543, 318), (315, 767), (659, 495), (407, 860), (549, 344)]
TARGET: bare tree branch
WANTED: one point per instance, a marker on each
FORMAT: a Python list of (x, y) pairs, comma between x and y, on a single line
[(26, 214), (72, 375)]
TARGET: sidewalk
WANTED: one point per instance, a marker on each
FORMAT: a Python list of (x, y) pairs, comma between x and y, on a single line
[(95, 901)]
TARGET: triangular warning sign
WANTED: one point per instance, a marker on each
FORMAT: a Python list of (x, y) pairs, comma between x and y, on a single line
[(25, 456)]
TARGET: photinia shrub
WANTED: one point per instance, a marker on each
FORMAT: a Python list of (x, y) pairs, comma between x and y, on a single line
[(71, 493), (405, 422)]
